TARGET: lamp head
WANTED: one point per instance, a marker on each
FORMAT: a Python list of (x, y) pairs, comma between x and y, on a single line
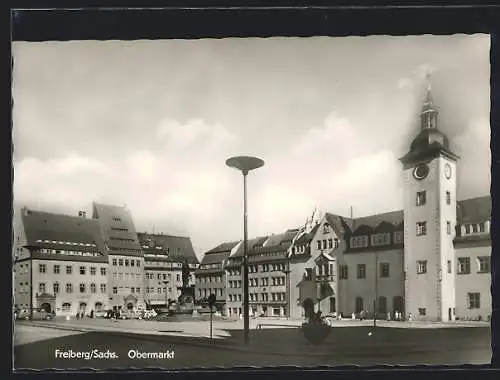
[(244, 163)]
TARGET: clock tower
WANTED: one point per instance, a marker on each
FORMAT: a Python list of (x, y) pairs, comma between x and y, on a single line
[(429, 170)]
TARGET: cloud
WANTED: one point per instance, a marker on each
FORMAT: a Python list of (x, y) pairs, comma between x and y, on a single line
[(417, 76), (154, 185)]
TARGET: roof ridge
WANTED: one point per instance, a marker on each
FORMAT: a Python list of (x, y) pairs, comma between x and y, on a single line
[(76, 217)]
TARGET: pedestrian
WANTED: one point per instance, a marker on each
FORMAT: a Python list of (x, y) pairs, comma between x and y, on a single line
[(78, 315), (92, 313), (389, 316), (410, 318)]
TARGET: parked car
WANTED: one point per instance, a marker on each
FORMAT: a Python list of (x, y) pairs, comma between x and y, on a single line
[(38, 315), (148, 314), (100, 314), (130, 314)]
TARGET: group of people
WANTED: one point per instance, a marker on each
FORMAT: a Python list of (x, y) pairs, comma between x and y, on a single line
[(81, 314), (395, 316)]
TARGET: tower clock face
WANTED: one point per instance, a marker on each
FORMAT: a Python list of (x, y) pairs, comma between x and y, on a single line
[(447, 171), (420, 171)]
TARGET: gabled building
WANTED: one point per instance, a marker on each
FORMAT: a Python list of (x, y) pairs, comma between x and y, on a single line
[(371, 266), (472, 244), (60, 264), (124, 252), (268, 276), (430, 261), (164, 256), (211, 276)]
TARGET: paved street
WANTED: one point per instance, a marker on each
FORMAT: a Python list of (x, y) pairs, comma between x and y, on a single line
[(269, 347)]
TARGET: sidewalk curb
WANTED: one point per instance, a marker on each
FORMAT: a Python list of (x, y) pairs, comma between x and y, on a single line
[(359, 351)]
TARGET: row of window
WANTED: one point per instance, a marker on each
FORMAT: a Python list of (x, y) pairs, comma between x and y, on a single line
[(71, 253), (209, 279), (204, 293), (325, 269), (234, 284), (151, 289), (56, 289), (162, 276), (234, 272), (163, 264), (234, 297), (267, 268), (474, 228), (384, 271), (210, 266), (126, 276), (483, 265), (56, 269), (421, 198), (126, 262), (126, 288), (330, 243), (65, 243), (376, 239)]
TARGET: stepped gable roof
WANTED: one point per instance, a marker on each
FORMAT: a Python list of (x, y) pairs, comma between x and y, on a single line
[(59, 231), (474, 210), (338, 222), (307, 237), (180, 248)]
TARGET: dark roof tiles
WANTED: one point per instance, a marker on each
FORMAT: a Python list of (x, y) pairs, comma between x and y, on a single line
[(474, 210), (58, 231), (179, 247)]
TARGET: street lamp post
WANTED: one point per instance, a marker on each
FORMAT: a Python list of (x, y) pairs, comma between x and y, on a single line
[(245, 164), (166, 294), (375, 301)]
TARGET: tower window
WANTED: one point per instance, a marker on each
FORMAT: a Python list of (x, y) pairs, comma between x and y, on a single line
[(448, 227), (421, 198), (448, 198), (449, 266), (421, 228), (421, 311), (421, 266)]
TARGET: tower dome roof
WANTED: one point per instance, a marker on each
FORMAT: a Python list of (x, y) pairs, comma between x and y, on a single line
[(429, 138)]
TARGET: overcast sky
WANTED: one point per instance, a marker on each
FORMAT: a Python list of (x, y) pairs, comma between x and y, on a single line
[(150, 124)]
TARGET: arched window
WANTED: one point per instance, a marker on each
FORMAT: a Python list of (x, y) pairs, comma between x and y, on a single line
[(98, 306), (359, 305), (69, 288), (66, 306)]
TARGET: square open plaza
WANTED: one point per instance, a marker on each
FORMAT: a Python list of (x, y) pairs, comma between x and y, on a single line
[(429, 261)]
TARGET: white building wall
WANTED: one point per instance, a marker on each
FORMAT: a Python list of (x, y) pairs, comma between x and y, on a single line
[(474, 282)]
